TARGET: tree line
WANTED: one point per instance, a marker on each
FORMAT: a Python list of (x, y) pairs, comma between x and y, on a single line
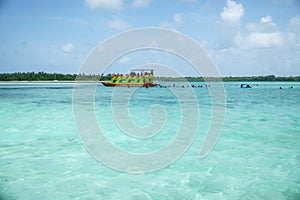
[(230, 78), (43, 76)]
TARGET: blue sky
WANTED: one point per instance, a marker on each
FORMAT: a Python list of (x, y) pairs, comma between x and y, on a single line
[(242, 37)]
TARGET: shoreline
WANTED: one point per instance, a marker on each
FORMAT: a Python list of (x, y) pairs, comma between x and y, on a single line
[(59, 77), (56, 77), (166, 80)]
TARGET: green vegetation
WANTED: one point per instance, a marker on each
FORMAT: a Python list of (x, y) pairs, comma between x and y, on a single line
[(43, 76), (230, 78), (262, 78)]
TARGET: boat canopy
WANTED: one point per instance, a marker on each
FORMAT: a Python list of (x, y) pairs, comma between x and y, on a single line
[(142, 71)]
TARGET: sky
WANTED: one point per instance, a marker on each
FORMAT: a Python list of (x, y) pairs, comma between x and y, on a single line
[(242, 37)]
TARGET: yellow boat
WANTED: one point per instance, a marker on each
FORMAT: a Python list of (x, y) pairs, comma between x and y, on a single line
[(136, 78)]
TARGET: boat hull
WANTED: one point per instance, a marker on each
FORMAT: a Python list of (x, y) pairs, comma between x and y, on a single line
[(109, 84)]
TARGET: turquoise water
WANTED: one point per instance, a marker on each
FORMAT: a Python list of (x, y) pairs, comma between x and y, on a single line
[(256, 157)]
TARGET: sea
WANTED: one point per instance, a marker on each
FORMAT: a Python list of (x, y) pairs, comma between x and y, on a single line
[(45, 154)]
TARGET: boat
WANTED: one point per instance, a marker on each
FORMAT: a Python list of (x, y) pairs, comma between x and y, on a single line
[(245, 86), (136, 78)]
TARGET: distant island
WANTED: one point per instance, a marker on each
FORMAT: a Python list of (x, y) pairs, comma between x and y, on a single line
[(43, 76)]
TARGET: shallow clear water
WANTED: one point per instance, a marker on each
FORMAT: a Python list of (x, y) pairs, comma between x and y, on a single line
[(256, 157)]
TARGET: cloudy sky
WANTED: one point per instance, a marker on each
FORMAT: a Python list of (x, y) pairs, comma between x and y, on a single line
[(242, 37)]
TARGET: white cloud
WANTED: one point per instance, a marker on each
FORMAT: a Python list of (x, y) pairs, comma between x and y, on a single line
[(293, 30), (140, 3), (262, 48), (266, 25), (106, 4), (232, 13), (266, 19), (259, 40), (203, 43), (294, 24), (67, 48), (178, 18), (118, 24), (261, 35)]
